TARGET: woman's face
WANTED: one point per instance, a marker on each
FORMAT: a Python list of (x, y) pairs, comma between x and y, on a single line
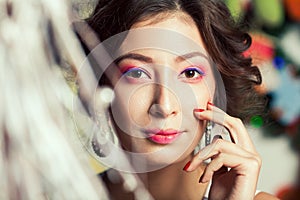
[(157, 89)]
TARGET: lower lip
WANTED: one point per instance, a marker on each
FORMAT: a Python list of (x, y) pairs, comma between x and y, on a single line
[(164, 139)]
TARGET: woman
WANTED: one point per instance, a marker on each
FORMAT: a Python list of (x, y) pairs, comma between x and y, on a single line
[(168, 93)]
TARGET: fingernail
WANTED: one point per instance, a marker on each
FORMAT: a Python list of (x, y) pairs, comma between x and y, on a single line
[(198, 110), (187, 165), (209, 103), (216, 137), (202, 179)]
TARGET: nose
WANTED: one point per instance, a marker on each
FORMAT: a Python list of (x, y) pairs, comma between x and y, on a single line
[(165, 103)]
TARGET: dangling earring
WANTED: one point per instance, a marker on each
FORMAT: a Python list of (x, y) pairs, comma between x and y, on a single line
[(206, 139), (208, 133), (98, 150), (104, 135)]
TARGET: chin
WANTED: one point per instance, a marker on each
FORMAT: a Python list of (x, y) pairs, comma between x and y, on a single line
[(152, 156)]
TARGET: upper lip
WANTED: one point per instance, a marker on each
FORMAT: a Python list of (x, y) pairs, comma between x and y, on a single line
[(162, 131)]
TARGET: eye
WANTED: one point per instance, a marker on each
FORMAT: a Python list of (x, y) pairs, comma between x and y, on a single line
[(136, 73), (191, 74)]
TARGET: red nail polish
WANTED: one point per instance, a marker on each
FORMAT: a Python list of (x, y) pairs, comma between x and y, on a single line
[(198, 110), (209, 103), (187, 166)]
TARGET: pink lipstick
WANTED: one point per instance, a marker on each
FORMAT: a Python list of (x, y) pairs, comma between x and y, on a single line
[(163, 136)]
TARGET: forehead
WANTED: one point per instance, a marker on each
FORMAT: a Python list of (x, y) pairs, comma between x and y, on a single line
[(177, 34)]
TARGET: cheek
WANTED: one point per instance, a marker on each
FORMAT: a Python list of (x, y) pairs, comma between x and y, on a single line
[(130, 107), (203, 95), (139, 105)]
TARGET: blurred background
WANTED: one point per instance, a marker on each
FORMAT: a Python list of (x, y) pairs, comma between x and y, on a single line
[(275, 28)]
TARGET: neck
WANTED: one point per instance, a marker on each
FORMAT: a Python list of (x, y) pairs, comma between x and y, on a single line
[(172, 182)]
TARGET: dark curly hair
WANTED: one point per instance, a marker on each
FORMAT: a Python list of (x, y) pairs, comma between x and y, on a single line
[(224, 39)]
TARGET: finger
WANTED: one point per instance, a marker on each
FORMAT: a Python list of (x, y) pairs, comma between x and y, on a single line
[(219, 117), (235, 126), (243, 166), (220, 171), (214, 149), (240, 133), (216, 137), (223, 169)]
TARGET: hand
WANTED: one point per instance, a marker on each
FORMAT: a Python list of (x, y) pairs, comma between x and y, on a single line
[(235, 165)]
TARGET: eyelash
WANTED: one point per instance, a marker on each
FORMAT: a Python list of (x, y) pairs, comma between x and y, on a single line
[(199, 74), (136, 73), (130, 73)]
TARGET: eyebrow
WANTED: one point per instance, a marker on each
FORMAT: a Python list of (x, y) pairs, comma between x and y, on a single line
[(147, 59), (190, 55), (134, 56)]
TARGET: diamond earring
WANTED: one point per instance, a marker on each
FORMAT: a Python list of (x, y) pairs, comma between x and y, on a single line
[(204, 141)]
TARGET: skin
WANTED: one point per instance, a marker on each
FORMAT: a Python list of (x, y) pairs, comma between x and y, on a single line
[(147, 98), (156, 99)]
